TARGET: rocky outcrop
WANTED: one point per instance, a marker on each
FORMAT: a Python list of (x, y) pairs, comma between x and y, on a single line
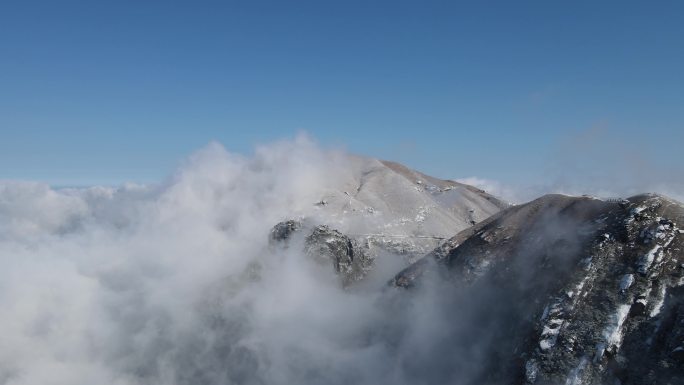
[(350, 260), (579, 290), (283, 231)]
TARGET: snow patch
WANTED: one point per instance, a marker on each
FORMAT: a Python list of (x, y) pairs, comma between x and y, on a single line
[(612, 334), (647, 260), (658, 305), (626, 282), (552, 324), (667, 235)]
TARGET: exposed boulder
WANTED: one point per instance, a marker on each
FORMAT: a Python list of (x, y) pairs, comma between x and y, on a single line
[(350, 260), (282, 231)]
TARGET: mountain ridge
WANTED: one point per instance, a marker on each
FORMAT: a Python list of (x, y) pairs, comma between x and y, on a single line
[(593, 281)]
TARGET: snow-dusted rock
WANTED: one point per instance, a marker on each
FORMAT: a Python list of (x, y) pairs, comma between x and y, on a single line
[(592, 290)]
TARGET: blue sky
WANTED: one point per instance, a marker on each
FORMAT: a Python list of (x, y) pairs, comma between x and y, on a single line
[(105, 92)]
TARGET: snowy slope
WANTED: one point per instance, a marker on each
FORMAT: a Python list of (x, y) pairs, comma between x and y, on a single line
[(386, 201)]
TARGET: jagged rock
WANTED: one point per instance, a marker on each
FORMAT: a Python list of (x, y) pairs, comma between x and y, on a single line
[(348, 258), (283, 231), (586, 300)]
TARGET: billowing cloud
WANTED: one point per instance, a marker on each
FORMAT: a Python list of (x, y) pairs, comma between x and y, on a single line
[(131, 284), (176, 283)]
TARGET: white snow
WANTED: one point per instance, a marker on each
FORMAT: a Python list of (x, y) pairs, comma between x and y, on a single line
[(552, 325), (642, 301), (626, 281), (580, 285), (634, 213), (656, 253), (612, 334), (547, 344), (647, 260), (658, 306)]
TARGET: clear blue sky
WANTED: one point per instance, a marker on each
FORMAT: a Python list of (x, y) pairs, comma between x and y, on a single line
[(109, 91)]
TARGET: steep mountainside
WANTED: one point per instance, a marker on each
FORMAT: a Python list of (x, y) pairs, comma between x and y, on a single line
[(569, 290)]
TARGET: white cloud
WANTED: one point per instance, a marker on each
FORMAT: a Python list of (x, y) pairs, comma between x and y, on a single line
[(156, 285), (100, 283)]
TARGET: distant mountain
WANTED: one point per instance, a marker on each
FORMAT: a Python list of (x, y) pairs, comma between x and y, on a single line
[(566, 290), (386, 203), (380, 206)]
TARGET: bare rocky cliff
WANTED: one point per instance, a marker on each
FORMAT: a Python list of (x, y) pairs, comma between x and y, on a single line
[(579, 290)]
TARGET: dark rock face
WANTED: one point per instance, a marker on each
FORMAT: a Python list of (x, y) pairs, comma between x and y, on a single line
[(325, 245), (570, 291), (348, 258), (283, 231)]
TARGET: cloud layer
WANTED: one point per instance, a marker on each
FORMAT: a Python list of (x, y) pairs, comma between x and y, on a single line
[(146, 284), (176, 283)]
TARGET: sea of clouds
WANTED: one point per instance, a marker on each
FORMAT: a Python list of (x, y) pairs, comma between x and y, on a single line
[(176, 283)]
